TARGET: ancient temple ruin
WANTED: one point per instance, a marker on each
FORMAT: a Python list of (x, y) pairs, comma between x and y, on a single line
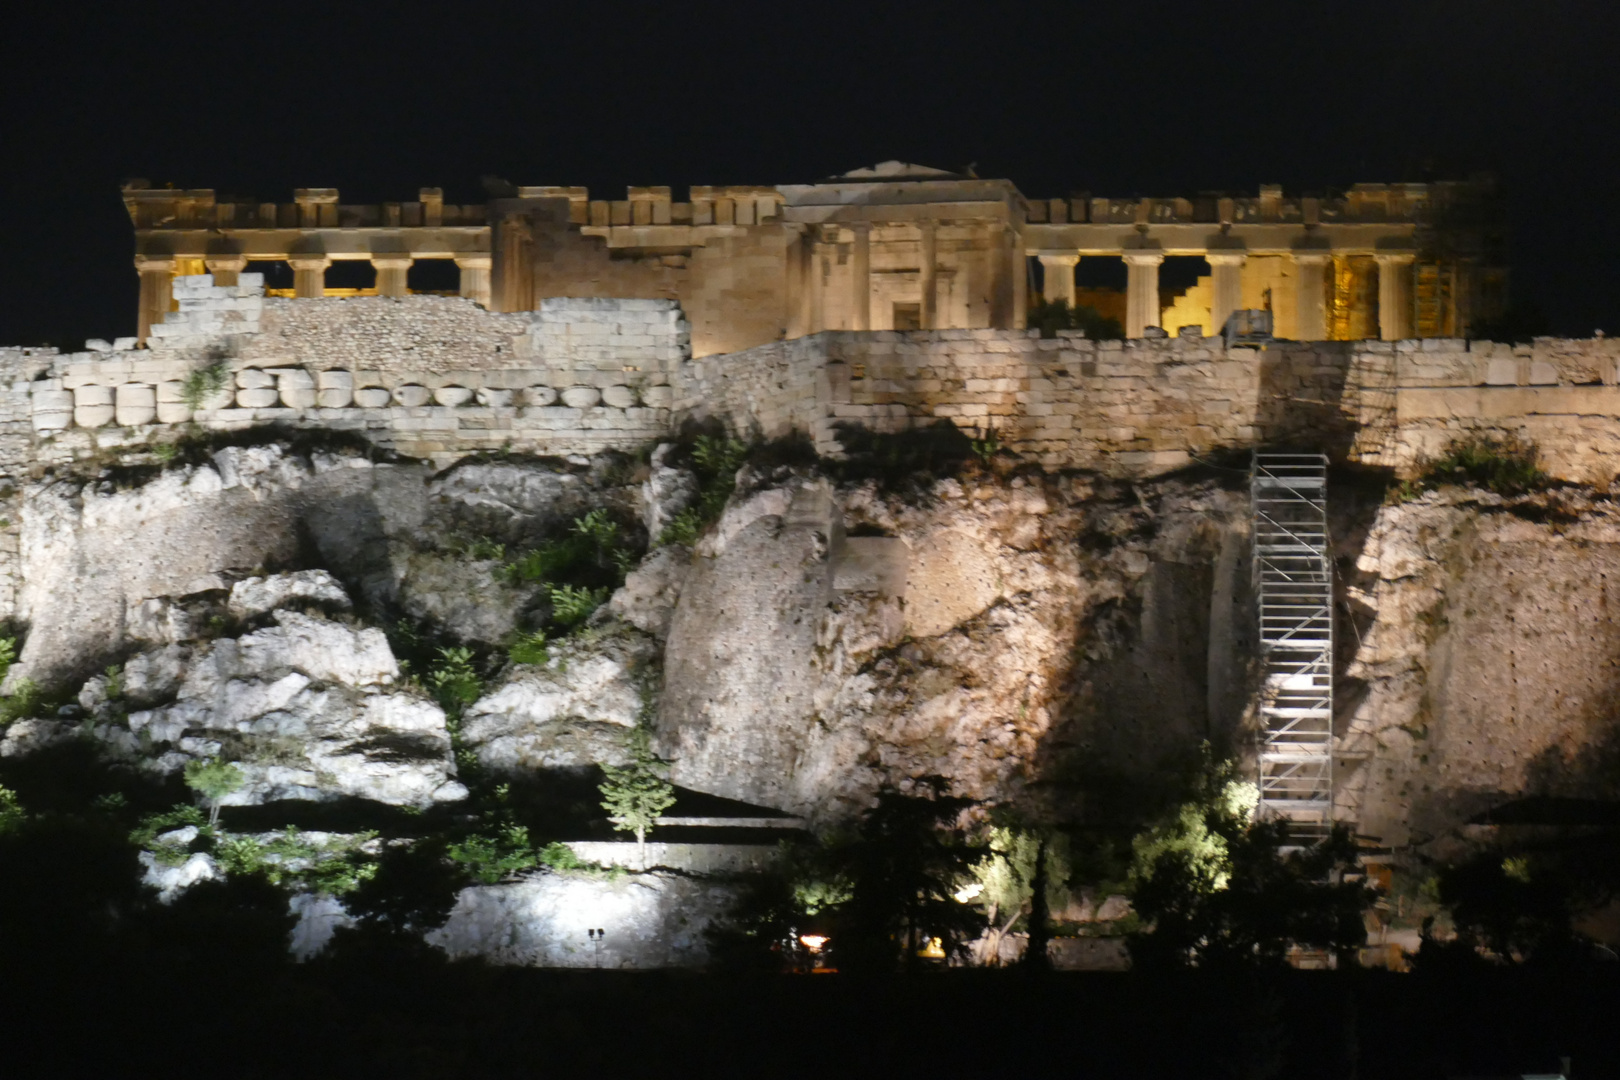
[(892, 247)]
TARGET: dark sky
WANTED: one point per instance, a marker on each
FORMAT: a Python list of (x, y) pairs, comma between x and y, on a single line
[(1150, 98)]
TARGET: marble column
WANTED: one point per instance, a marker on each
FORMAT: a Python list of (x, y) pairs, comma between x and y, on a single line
[(1309, 293), (1141, 291), (475, 277), (1057, 272), (860, 278), (309, 276), (157, 292), (225, 268), (927, 254), (1018, 268), (1395, 295), (1226, 293), (392, 274)]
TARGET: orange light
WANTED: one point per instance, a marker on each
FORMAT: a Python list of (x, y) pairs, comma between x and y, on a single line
[(813, 942)]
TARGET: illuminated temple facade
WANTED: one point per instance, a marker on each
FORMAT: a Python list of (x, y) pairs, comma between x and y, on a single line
[(892, 247)]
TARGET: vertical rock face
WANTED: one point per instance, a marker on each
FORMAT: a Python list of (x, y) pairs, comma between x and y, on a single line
[(1485, 667), (993, 633)]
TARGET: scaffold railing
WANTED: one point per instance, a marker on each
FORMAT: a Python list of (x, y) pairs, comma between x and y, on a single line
[(1294, 592)]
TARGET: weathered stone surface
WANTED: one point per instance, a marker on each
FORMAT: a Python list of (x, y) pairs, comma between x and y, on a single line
[(648, 596), (256, 596), (576, 710), (653, 920)]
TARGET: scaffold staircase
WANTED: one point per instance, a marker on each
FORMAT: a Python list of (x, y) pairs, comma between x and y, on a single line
[(1294, 588)]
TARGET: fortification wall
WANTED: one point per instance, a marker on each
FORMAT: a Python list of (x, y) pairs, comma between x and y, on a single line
[(439, 377)]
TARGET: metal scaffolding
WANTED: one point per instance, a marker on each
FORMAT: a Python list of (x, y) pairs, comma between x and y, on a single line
[(1294, 589)]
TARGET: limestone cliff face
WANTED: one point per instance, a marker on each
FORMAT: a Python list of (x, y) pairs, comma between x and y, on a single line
[(1054, 640), (1485, 665), (996, 632)]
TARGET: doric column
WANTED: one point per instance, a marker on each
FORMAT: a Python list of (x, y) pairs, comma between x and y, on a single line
[(815, 245), (1020, 280), (225, 268), (157, 276), (1058, 274), (1226, 269), (392, 273), (475, 277), (1310, 291), (1395, 295), (860, 278), (1141, 290), (309, 275), (927, 253)]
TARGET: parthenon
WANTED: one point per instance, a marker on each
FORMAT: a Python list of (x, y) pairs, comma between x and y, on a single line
[(891, 247)]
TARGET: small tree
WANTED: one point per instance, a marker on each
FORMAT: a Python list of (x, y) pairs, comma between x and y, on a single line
[(213, 780), (634, 795)]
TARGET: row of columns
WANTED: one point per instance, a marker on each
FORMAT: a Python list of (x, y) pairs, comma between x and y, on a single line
[(1226, 272), (309, 279)]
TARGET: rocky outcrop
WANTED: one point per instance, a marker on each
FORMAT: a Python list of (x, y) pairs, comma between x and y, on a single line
[(574, 711), (652, 920), (1484, 653), (994, 632)]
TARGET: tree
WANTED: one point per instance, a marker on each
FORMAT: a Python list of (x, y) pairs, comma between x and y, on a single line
[(1213, 888), (213, 780), (1008, 877), (634, 795), (905, 866)]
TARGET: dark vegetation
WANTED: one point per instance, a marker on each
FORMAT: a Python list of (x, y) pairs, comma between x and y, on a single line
[(1051, 317), (1504, 465)]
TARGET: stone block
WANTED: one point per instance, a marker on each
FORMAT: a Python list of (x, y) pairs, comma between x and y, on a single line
[(136, 404), (257, 397), (92, 416), (495, 398), (581, 397), (412, 396), (334, 380), (334, 397), (540, 396), (618, 397), (658, 397), (173, 412), (372, 397), (1543, 373), (254, 379), (298, 397), (92, 395), (452, 396)]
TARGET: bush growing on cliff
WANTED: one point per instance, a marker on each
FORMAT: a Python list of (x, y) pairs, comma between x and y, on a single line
[(1506, 465), (213, 780), (203, 384), (715, 460)]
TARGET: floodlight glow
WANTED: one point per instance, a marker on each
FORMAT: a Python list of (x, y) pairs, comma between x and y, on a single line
[(813, 942)]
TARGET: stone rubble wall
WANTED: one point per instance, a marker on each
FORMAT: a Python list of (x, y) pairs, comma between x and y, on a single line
[(439, 377)]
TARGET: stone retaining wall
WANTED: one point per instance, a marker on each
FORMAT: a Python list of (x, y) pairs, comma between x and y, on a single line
[(439, 377)]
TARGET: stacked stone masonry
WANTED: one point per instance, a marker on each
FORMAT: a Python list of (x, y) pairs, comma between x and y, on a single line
[(440, 377)]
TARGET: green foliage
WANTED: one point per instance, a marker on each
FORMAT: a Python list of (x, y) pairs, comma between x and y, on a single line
[(203, 384), (988, 447), (213, 780), (1506, 466), (144, 836), (25, 700), (1007, 874), (115, 682), (334, 868), (496, 855), (8, 655), (572, 605), (166, 452), (529, 648), (599, 529), (454, 680), (634, 795), (716, 461), (12, 814), (559, 856), (1049, 318), (1212, 889)]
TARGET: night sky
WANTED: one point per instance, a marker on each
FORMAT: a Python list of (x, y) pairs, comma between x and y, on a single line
[(379, 99)]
